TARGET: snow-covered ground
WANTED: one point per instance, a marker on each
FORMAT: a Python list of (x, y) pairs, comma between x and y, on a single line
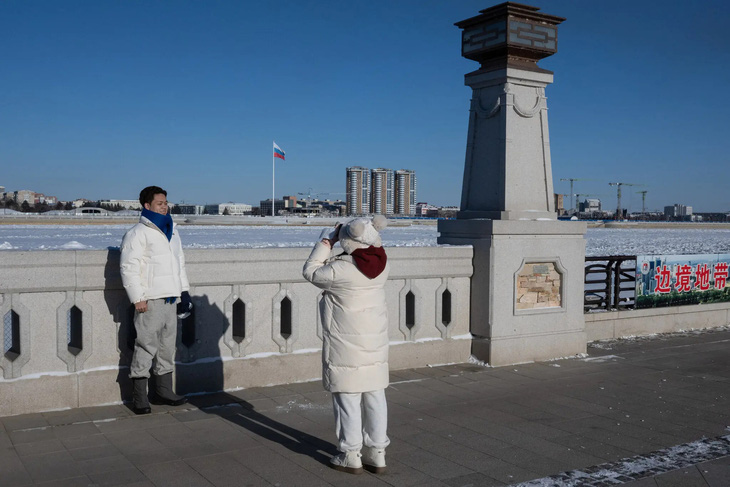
[(599, 241)]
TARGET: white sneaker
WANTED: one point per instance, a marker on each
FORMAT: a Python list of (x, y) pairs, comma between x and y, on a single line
[(373, 459), (347, 462)]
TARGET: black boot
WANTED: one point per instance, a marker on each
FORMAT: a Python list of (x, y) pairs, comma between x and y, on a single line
[(165, 395), (140, 403)]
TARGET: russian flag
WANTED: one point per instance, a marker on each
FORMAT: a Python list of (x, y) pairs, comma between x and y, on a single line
[(278, 152)]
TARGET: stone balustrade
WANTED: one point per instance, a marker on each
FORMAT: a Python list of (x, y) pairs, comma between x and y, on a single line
[(67, 329)]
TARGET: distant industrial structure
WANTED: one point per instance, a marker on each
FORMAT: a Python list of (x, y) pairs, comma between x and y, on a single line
[(678, 212)]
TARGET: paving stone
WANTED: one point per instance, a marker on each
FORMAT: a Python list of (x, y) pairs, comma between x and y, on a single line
[(76, 430), (5, 440), (716, 473), (107, 412), (66, 417), (32, 435), (190, 415), (93, 452), (135, 423), (105, 464), (450, 425), (24, 421), (13, 472), (592, 447), (399, 474), (262, 404), (223, 470), (473, 479), (432, 464), (82, 481), (133, 441), (275, 468), (170, 434), (96, 440), (686, 477), (174, 474), (506, 472), (225, 441), (144, 458), (276, 391), (319, 467), (39, 447), (51, 466), (540, 464), (193, 449), (124, 477), (645, 482)]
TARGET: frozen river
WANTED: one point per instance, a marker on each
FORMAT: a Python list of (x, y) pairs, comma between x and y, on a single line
[(599, 241)]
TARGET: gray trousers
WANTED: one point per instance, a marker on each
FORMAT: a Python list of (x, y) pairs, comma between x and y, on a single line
[(156, 337)]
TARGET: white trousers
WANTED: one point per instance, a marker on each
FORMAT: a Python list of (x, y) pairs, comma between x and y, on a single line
[(361, 418)]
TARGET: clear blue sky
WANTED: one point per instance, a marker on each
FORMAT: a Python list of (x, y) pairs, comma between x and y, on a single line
[(100, 98)]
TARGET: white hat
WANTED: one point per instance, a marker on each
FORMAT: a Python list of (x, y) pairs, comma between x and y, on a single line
[(361, 233)]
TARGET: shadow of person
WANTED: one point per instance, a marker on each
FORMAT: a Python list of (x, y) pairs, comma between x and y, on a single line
[(200, 376), (122, 312)]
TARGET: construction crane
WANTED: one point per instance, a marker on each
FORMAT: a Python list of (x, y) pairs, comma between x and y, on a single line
[(316, 194), (643, 201), (619, 216), (572, 203), (308, 195)]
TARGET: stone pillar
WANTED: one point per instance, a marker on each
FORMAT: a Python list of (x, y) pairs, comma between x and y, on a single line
[(527, 288)]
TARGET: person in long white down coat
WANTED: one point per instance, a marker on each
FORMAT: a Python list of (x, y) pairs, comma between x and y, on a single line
[(355, 339)]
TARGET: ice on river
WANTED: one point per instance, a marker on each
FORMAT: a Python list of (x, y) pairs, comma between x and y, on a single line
[(599, 241)]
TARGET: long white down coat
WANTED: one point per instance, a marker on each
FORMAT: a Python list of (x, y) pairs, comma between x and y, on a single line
[(151, 266), (354, 323)]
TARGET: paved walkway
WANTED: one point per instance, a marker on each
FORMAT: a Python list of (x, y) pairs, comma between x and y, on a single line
[(592, 421)]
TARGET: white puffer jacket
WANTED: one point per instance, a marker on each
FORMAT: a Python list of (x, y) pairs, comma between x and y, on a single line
[(152, 267), (354, 323)]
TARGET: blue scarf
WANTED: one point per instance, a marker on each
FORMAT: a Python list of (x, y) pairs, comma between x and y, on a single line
[(163, 222)]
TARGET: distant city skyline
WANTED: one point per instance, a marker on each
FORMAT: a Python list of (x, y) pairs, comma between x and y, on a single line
[(100, 99)]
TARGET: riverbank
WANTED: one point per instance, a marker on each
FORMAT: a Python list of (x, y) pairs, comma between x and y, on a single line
[(226, 220), (218, 220), (662, 225)]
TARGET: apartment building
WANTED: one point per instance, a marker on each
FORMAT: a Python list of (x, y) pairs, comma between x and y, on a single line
[(358, 190), (404, 201)]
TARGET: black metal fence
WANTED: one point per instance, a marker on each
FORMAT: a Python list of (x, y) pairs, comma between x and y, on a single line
[(610, 283)]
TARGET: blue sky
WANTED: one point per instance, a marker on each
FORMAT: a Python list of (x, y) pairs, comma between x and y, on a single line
[(101, 98)]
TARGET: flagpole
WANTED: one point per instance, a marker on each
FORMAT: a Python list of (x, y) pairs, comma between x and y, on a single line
[(273, 175)]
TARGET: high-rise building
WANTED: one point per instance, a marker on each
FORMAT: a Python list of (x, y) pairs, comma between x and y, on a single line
[(381, 199), (265, 206), (358, 190), (405, 192)]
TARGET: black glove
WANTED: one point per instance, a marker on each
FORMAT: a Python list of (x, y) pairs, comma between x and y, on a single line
[(184, 306)]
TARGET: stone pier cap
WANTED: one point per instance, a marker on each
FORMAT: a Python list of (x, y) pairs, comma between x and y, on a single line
[(510, 35)]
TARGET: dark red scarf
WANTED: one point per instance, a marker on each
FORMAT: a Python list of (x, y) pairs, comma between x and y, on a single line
[(370, 261)]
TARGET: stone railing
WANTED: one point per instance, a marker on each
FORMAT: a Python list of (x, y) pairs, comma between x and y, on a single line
[(67, 329)]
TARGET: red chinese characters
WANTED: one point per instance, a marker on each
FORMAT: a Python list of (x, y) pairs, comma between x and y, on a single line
[(720, 275), (683, 274), (663, 278), (703, 277), (679, 278)]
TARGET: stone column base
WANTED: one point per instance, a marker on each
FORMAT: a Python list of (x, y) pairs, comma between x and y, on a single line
[(527, 287)]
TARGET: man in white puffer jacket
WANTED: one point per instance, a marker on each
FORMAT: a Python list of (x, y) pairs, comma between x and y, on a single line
[(355, 339), (153, 273)]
